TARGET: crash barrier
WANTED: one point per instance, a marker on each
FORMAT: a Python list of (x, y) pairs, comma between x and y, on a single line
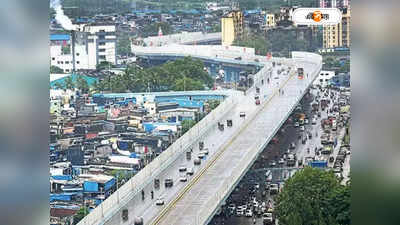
[(207, 211), (126, 192)]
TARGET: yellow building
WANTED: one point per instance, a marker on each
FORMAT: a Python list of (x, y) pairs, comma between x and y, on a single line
[(338, 35), (232, 27), (270, 20)]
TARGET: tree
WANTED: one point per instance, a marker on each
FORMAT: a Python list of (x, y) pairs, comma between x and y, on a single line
[(152, 29), (59, 85), (83, 211), (56, 69), (305, 198), (186, 125), (104, 65), (82, 84), (69, 83), (338, 204), (123, 45)]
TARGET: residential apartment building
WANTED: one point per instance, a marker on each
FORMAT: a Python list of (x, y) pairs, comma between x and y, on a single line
[(270, 20), (85, 48), (232, 27), (338, 35), (333, 3)]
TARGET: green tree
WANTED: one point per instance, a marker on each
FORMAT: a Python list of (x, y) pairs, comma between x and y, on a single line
[(186, 125), (56, 69), (104, 65), (82, 85), (152, 29), (123, 45), (338, 204), (59, 85), (83, 211), (258, 42), (69, 83), (304, 198)]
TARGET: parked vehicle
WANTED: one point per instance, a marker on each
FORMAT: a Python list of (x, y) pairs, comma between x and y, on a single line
[(197, 161), (168, 182), (182, 168), (156, 183), (190, 171), (183, 178), (249, 213), (160, 201)]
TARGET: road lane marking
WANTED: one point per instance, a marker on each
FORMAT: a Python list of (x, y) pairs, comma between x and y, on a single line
[(193, 181)]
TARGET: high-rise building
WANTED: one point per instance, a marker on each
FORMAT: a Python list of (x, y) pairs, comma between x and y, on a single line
[(338, 35), (232, 27), (84, 48), (341, 4)]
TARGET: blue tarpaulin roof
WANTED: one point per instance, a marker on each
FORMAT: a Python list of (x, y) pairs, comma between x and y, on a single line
[(62, 177), (90, 80), (60, 37)]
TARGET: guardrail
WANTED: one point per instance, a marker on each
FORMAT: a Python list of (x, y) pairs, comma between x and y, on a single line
[(125, 193), (226, 188)]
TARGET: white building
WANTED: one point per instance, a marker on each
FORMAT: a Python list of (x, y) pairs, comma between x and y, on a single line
[(94, 43), (323, 78)]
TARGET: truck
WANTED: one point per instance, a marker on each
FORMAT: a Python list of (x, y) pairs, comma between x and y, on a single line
[(318, 164)]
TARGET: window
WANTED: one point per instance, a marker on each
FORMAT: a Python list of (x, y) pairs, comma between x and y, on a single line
[(67, 70), (326, 80), (62, 62), (77, 62), (102, 57), (102, 50), (66, 62), (321, 80), (102, 43), (58, 62), (53, 58), (77, 54)]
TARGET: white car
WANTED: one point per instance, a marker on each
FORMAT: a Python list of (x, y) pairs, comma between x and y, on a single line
[(201, 155), (314, 121), (306, 121), (204, 151), (281, 161), (249, 213), (239, 212), (160, 201), (302, 128), (183, 178), (296, 124), (190, 171), (182, 168)]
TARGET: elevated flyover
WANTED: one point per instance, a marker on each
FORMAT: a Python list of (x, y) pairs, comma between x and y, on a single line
[(184, 38), (231, 152)]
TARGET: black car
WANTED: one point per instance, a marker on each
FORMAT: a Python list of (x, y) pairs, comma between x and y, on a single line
[(169, 182)]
